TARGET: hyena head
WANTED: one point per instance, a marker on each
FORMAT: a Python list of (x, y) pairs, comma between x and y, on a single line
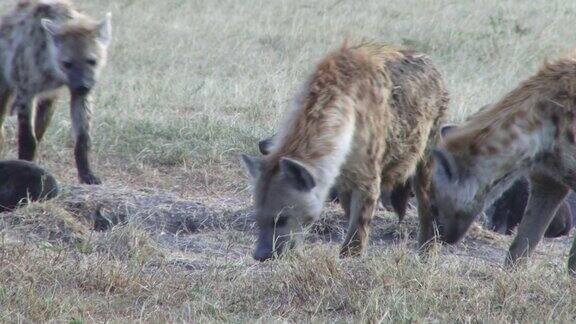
[(285, 202), (78, 49), (455, 199)]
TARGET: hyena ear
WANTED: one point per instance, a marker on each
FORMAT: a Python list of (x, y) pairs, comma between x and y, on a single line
[(446, 129), (297, 174), (252, 165), (445, 167), (51, 27), (265, 145), (104, 29)]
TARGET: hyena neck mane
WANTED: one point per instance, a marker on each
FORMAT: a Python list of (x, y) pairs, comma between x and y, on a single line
[(321, 143), (499, 144)]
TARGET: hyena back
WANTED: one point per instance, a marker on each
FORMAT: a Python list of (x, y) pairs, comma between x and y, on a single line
[(531, 131), (45, 45), (363, 122)]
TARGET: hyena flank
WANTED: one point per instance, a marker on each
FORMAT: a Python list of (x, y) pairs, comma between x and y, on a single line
[(363, 122), (531, 131), (45, 45)]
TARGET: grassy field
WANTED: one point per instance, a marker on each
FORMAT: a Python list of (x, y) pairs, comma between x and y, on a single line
[(191, 84)]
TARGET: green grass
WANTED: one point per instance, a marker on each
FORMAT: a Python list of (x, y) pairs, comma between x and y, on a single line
[(235, 66)]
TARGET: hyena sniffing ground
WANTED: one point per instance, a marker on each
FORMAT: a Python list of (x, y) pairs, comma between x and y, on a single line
[(44, 45), (365, 118), (530, 131)]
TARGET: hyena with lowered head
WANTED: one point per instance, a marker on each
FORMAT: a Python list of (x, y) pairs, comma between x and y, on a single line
[(530, 131), (364, 122), (45, 45)]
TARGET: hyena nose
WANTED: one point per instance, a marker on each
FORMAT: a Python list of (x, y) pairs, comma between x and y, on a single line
[(262, 254), (82, 90)]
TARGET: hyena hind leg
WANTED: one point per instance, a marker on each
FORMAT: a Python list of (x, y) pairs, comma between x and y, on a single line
[(44, 112), (422, 182), (360, 213), (546, 194)]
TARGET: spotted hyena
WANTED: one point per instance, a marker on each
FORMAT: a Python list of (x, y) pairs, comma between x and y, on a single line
[(363, 122), (45, 45), (530, 132)]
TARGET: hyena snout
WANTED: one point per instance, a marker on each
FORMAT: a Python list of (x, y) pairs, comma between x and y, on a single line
[(80, 83), (270, 246), (453, 231)]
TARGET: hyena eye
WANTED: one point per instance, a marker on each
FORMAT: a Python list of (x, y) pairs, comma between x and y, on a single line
[(67, 64), (91, 62)]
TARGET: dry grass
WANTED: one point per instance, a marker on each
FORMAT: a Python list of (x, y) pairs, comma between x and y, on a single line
[(191, 84)]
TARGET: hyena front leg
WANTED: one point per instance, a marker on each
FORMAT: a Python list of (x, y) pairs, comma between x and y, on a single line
[(546, 194), (81, 113), (44, 112), (22, 105), (421, 184), (360, 207), (572, 258), (4, 97)]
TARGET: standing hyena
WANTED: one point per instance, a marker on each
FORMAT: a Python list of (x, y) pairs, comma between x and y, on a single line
[(45, 45), (363, 121), (531, 131)]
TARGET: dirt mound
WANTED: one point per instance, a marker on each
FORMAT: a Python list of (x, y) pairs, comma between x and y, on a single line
[(194, 228)]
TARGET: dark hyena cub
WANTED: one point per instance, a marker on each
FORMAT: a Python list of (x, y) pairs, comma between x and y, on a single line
[(22, 182), (507, 212), (45, 45)]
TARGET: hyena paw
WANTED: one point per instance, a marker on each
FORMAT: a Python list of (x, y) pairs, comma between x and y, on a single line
[(90, 179)]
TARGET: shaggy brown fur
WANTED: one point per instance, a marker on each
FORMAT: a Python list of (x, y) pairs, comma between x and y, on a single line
[(531, 131), (365, 119)]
